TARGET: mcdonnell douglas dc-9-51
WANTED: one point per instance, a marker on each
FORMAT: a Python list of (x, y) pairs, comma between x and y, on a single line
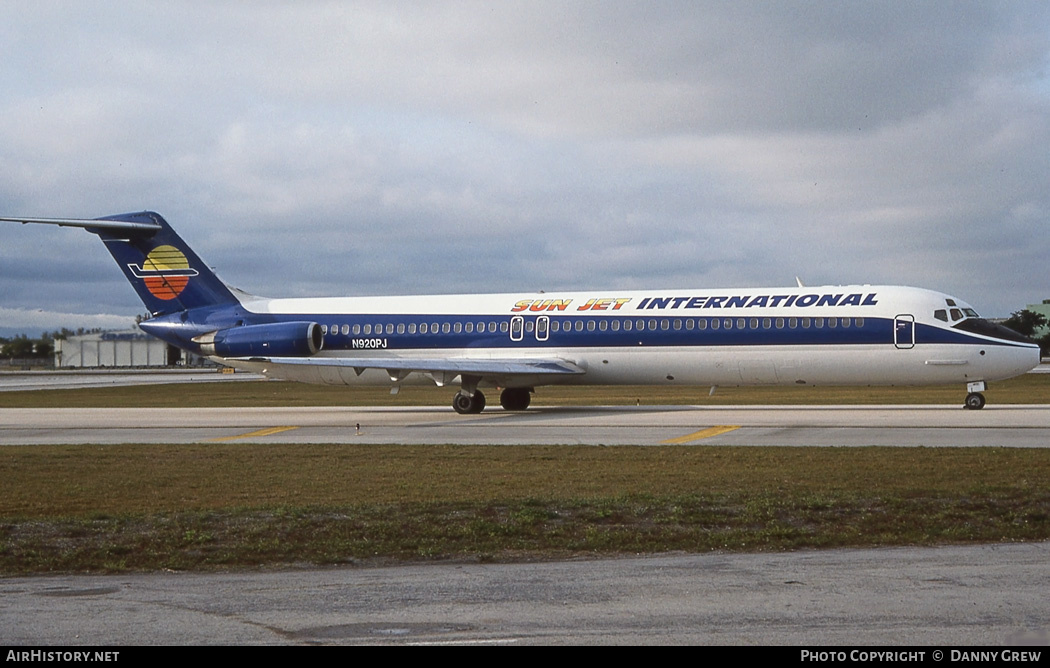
[(831, 335)]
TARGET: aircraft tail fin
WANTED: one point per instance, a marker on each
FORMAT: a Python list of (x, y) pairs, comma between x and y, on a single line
[(165, 272)]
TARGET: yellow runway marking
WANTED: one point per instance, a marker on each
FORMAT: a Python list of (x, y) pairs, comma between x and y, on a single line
[(703, 433), (261, 432)]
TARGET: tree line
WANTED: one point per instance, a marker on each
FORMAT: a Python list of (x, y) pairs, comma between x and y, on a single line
[(1028, 323), (21, 346)]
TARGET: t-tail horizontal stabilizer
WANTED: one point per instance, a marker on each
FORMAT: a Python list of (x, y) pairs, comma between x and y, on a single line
[(165, 272)]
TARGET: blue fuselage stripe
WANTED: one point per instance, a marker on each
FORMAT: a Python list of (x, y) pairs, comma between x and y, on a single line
[(395, 332), (449, 332)]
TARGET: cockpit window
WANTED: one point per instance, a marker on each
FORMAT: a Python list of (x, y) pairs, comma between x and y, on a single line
[(970, 313), (956, 314), (941, 314)]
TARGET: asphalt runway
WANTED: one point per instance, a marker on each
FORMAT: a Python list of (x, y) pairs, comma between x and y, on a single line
[(914, 426), (937, 598)]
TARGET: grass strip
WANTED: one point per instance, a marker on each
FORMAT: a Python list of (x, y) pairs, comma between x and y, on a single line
[(214, 506)]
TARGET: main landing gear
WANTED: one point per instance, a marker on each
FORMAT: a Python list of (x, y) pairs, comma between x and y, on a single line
[(975, 400), (511, 399), (515, 398), (464, 403)]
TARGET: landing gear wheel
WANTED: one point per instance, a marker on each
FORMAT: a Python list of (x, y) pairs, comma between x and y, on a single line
[(974, 401), (464, 404), (515, 398)]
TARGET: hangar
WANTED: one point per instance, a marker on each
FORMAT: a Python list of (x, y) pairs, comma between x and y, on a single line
[(125, 348)]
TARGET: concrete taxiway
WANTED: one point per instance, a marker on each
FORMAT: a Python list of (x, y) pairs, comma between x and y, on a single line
[(934, 426), (935, 597), (21, 381)]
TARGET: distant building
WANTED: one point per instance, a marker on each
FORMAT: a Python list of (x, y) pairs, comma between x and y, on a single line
[(1043, 310), (128, 348)]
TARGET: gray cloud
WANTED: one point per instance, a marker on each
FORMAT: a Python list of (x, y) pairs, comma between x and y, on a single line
[(365, 148)]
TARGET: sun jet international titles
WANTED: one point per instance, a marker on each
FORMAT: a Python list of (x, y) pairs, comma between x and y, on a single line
[(704, 302)]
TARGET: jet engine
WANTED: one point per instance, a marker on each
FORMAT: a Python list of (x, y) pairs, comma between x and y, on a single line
[(282, 339)]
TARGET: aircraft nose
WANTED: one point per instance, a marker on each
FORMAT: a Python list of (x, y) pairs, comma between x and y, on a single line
[(1026, 359), (1002, 362)]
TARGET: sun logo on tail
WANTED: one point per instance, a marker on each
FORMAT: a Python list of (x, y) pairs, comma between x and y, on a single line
[(166, 272)]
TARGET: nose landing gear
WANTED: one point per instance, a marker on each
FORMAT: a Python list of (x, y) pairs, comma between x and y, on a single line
[(975, 400)]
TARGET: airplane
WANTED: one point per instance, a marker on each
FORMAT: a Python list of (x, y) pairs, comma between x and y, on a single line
[(802, 336)]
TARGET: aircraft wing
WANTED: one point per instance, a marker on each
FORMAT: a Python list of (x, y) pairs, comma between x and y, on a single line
[(442, 370)]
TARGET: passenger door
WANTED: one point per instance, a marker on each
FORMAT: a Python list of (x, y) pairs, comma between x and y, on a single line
[(904, 331)]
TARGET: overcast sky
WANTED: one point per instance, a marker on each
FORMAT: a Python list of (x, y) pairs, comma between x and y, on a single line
[(361, 148)]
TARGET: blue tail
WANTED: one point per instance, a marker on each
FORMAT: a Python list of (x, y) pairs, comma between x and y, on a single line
[(165, 272)]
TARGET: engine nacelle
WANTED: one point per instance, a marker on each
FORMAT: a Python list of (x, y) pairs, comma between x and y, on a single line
[(283, 339)]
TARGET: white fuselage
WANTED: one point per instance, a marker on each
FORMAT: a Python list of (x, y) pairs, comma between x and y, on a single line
[(829, 335)]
